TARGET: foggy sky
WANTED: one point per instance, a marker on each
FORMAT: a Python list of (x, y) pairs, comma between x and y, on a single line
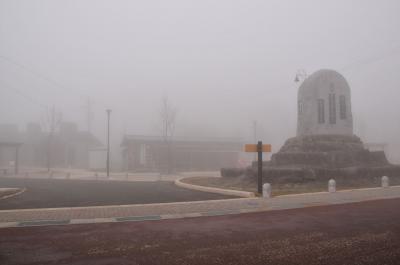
[(222, 63)]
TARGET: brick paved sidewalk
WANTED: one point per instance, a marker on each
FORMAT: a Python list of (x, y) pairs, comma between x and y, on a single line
[(139, 212)]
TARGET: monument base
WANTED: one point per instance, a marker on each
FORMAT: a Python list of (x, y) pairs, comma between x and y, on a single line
[(321, 157), (327, 151)]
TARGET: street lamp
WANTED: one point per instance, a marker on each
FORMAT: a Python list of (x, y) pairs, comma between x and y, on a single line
[(301, 75), (108, 142)]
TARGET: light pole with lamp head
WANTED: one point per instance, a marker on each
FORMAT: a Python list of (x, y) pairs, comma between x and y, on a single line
[(108, 142)]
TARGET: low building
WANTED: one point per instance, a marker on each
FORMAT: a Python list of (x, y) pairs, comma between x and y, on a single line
[(9, 157), (97, 159), (153, 153), (68, 147), (10, 143)]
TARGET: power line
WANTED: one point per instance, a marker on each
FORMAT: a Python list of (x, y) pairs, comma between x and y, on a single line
[(25, 96), (372, 59), (42, 76), (33, 72), (364, 61)]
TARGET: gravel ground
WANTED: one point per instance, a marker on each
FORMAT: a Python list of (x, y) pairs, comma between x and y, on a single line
[(51, 193), (359, 233)]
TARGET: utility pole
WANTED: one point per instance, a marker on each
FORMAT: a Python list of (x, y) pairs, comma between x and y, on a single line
[(255, 136), (51, 134), (52, 122), (259, 167), (108, 142), (89, 114), (16, 165)]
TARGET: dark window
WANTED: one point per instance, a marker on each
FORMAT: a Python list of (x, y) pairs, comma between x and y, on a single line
[(342, 106), (300, 107), (332, 108), (321, 111)]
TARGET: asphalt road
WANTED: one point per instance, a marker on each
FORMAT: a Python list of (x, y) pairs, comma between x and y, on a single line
[(358, 233), (51, 193)]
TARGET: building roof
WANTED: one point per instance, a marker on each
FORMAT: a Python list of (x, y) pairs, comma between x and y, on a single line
[(10, 140), (153, 138), (82, 137), (9, 144), (16, 137)]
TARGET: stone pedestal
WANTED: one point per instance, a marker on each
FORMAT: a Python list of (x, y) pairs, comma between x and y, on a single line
[(327, 151)]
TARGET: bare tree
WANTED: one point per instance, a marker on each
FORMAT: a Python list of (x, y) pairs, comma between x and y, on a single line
[(50, 123), (168, 121)]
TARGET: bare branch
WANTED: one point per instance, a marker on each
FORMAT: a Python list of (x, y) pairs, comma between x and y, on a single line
[(168, 118)]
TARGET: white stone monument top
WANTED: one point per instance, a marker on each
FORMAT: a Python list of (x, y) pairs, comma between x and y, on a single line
[(324, 105)]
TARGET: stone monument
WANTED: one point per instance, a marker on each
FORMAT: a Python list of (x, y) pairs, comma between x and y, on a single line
[(324, 105), (325, 146), (325, 128)]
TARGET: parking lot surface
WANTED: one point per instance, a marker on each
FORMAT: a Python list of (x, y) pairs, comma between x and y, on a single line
[(52, 193)]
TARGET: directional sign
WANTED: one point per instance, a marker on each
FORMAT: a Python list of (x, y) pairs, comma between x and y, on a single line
[(266, 148), (259, 148)]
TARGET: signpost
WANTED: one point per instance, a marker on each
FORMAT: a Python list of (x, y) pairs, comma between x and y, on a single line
[(259, 148)]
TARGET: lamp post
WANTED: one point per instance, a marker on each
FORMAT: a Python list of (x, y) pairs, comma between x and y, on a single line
[(301, 75), (108, 142)]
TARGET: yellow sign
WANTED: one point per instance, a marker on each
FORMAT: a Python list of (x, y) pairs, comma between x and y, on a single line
[(266, 148)]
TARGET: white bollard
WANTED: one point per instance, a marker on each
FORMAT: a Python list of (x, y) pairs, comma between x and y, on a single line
[(385, 182), (266, 190), (332, 185)]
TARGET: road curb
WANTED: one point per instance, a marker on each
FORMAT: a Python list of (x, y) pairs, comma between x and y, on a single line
[(203, 208), (14, 194), (137, 218), (160, 217), (244, 194)]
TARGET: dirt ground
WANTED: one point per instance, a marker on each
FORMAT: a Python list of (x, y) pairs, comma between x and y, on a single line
[(249, 184), (359, 233), (49, 193)]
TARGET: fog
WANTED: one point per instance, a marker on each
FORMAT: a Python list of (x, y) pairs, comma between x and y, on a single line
[(222, 64)]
